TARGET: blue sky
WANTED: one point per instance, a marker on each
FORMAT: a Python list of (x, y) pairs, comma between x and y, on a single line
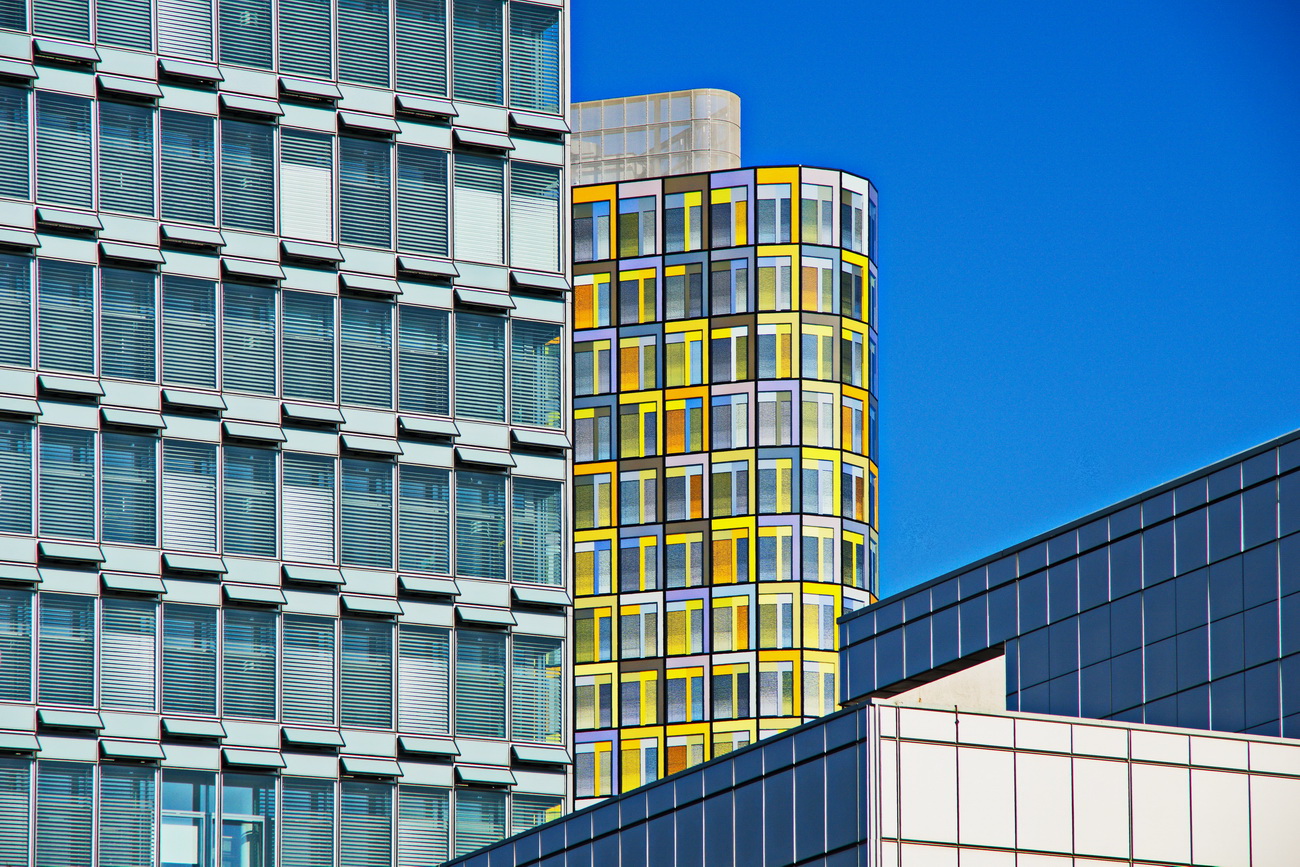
[(1090, 229)]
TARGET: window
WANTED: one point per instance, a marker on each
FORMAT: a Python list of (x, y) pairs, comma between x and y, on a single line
[(851, 222), (365, 182), (593, 567), (306, 822), (129, 489), (185, 28), (731, 691), (126, 158), (819, 621), (639, 762), (729, 285), (480, 525), (684, 628), (774, 275), (366, 59), (776, 688), (65, 797), (730, 623), (127, 324), (534, 216), (15, 645), (639, 630), (66, 313), (424, 511), (248, 687), (480, 684), (776, 620), (529, 811), (365, 824), (367, 513), (248, 808), (189, 659), (15, 310), (189, 331), (685, 694), (636, 296), (683, 221), (248, 506), (306, 38), (308, 669), (775, 417), (775, 486), (872, 241), (851, 296), (728, 216), (534, 58), (775, 350), (306, 185), (423, 679), (818, 351), (15, 480), (773, 213), (853, 559), (816, 214), (853, 493), (851, 424), (730, 488), (537, 690), (366, 673), (639, 698), (636, 226), (593, 770), (593, 634), (684, 290), (480, 208), (591, 367), (592, 433), (685, 361), (818, 554), (638, 430), (309, 497), (67, 650), (536, 540), (308, 353), (729, 353), (638, 362), (818, 486), (535, 393), (818, 688), (189, 495), (423, 360), (817, 284), (591, 301), (421, 187), (853, 368), (478, 51), (730, 421), (248, 168), (593, 701), (248, 339), (480, 815), (480, 366), (422, 47), (637, 496), (638, 563), (14, 138), (67, 483), (685, 422), (731, 556), (15, 814), (64, 160), (366, 352), (684, 560), (245, 38), (776, 553), (684, 492), (590, 231), (818, 418)]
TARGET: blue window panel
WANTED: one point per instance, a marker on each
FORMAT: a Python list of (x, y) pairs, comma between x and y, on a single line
[(778, 800), (632, 846), (1033, 601), (1225, 588), (1290, 637), (1226, 481), (1160, 668), (1290, 668), (917, 637), (1157, 509), (1163, 712), (1288, 551), (1036, 699), (1194, 708), (689, 822), (1063, 590), (1288, 504), (971, 583), (974, 617), (1259, 575), (1227, 646), (1063, 694), (1263, 697), (1094, 579), (1158, 554), (1033, 558), (1094, 534), (1063, 644), (1034, 661), (1228, 704), (1003, 613), (1127, 521), (945, 643), (1126, 680), (1261, 635), (889, 658), (1062, 547), (809, 812), (1291, 726), (1225, 529), (1012, 665), (1159, 611), (1002, 571), (944, 594), (1192, 544), (1193, 658), (1191, 599), (1190, 495), (1125, 566), (1125, 624), (858, 676), (888, 616), (1094, 690), (1094, 636), (916, 605)]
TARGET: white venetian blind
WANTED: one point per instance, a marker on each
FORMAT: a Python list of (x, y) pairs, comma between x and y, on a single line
[(189, 495), (14, 137), (126, 808), (421, 200), (67, 650), (307, 38), (188, 173), (307, 185), (535, 216), (365, 824), (480, 684), (15, 478), (479, 208), (422, 46), (126, 158), (67, 480), (536, 691), (424, 378), (128, 658), (309, 346), (185, 28), (189, 331), (424, 514), (189, 659), (15, 308), (249, 501), (16, 645), (65, 799), (422, 826), (423, 680), (366, 673), (308, 666), (307, 822), (308, 528), (248, 664), (15, 810)]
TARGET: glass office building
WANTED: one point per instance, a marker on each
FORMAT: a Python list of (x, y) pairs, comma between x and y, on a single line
[(927, 766), (283, 444), (725, 459)]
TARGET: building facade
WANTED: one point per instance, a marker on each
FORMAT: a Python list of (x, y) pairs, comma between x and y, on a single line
[(725, 459), (635, 137), (283, 453)]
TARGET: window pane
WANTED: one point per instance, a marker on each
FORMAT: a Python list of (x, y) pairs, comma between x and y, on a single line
[(537, 544), (248, 344), (249, 501), (15, 479), (307, 185), (66, 297), (67, 660), (480, 366), (13, 134), (422, 46), (480, 525), (423, 826), (189, 659), (309, 346), (63, 150), (189, 331), (246, 32), (65, 796), (367, 352), (537, 690), (424, 680), (15, 647), (309, 669), (67, 483), (126, 810), (247, 170), (308, 530), (364, 25), (126, 158), (368, 513), (534, 57), (421, 196), (248, 664), (307, 823), (130, 489), (365, 824), (423, 520), (478, 51), (15, 810), (423, 360), (480, 684), (15, 309), (366, 676), (480, 207), (306, 38), (534, 216), (189, 495), (185, 28), (535, 373), (127, 312), (480, 819), (365, 200)]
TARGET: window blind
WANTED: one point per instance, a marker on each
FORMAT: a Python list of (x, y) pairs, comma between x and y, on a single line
[(307, 185), (536, 543), (189, 495), (478, 50), (422, 199), (67, 650), (423, 826), (480, 819), (248, 664), (129, 488), (66, 311), (536, 690), (423, 680), (15, 810), (126, 806), (127, 326), (248, 344), (365, 182), (365, 824), (308, 529), (307, 38), (535, 373), (185, 28), (423, 369), (245, 37), (13, 16), (247, 175), (365, 25), (13, 141), (67, 483), (65, 798), (69, 19), (306, 822), (479, 208), (480, 525), (366, 351), (15, 307), (189, 676), (422, 46), (480, 684), (248, 507), (189, 331), (367, 519), (424, 509), (15, 647), (127, 658), (535, 57), (309, 346), (126, 158), (529, 811), (188, 172), (308, 666), (535, 216), (480, 366), (124, 23), (366, 673), (15, 478)]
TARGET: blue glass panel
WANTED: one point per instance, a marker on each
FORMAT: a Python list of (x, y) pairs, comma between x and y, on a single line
[(889, 658), (1162, 713), (1033, 601), (1288, 456), (1159, 611), (1263, 696), (1125, 624), (974, 624), (1094, 534), (1094, 690), (1036, 699), (1094, 636), (689, 825), (1291, 686), (944, 594), (1063, 694), (1033, 648), (1228, 703), (1225, 481), (1290, 637), (1259, 515), (1002, 571), (944, 645), (1158, 553), (810, 809), (971, 583), (1259, 468), (1126, 521), (1226, 646), (1160, 669), (1126, 680), (1033, 558), (1194, 708), (1261, 635), (1094, 579), (1191, 592), (604, 850), (1288, 504), (1004, 613), (1063, 642), (1291, 726), (580, 856), (1062, 547), (916, 605), (1012, 651), (718, 819), (631, 845), (749, 814), (1225, 588), (1063, 590), (845, 810), (889, 615), (1193, 657), (1189, 496), (917, 637), (1288, 551), (1125, 566), (1259, 575), (778, 800), (1157, 509)]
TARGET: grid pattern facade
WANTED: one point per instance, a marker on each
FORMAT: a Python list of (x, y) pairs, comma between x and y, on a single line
[(283, 445), (1178, 607), (635, 137), (725, 459)]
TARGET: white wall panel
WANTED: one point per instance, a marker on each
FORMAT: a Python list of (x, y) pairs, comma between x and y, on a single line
[(1220, 819), (1274, 822), (1161, 813), (986, 790), (1044, 817), (928, 778), (1101, 799)]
